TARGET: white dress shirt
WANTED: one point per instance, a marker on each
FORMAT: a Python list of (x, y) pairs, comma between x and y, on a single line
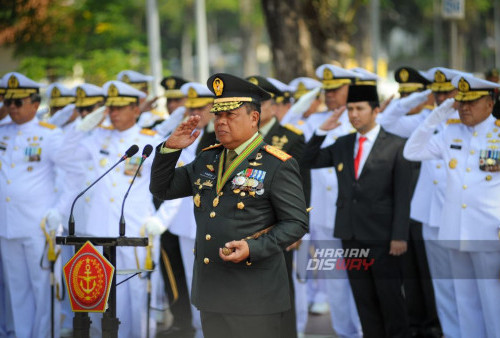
[(371, 136)]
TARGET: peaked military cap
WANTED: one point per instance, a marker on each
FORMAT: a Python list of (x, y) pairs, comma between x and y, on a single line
[(360, 93), (364, 77), (282, 87), (471, 88), (119, 94), (59, 95), (134, 79), (441, 78), (172, 85), (18, 86), (303, 85), (410, 80), (231, 92), (198, 95), (88, 95), (334, 77), (265, 84)]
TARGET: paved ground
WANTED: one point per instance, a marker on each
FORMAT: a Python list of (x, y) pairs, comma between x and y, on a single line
[(319, 326)]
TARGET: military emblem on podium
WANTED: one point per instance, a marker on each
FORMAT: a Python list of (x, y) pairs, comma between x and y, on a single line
[(88, 276)]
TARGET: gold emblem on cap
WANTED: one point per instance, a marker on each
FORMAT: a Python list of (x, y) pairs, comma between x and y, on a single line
[(404, 75), (170, 83), (340, 167), (13, 82), (439, 76), (80, 93), (55, 92), (197, 200), (463, 85), (218, 86), (112, 90), (327, 74), (254, 81), (301, 87), (192, 93), (453, 163), (125, 78)]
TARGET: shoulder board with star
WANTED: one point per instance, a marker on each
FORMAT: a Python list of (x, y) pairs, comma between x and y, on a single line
[(277, 153), (148, 132), (293, 129), (107, 127), (47, 125), (453, 121), (212, 146)]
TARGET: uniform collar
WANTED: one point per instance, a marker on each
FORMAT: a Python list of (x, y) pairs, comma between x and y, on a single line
[(135, 129), (242, 146), (28, 124), (371, 135), (484, 126)]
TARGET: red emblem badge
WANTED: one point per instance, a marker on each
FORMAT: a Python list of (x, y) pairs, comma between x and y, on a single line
[(88, 276)]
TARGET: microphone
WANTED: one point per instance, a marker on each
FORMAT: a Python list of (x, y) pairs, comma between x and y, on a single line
[(145, 154), (71, 222)]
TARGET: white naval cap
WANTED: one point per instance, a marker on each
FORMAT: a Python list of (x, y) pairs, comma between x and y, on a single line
[(471, 88), (198, 95), (303, 85), (135, 79), (284, 88), (119, 94), (441, 78), (18, 86), (59, 95), (334, 77), (88, 95), (365, 77)]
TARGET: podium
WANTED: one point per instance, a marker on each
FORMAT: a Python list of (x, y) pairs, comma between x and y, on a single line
[(110, 323)]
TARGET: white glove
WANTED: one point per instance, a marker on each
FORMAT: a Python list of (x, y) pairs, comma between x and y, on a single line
[(62, 116), (53, 220), (414, 100), (169, 125), (300, 107), (92, 120), (154, 226), (439, 114)]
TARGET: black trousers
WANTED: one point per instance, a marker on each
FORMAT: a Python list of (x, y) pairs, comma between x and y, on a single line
[(378, 292), (289, 320), (419, 292), (181, 309), (220, 325)]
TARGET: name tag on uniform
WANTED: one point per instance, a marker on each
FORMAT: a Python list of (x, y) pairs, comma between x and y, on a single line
[(456, 146), (104, 152), (3, 146)]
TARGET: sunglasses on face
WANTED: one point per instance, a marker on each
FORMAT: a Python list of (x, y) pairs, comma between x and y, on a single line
[(89, 109), (17, 102)]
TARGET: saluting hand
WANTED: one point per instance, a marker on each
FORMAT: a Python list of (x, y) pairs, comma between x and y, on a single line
[(240, 251), (398, 248), (183, 135), (333, 121)]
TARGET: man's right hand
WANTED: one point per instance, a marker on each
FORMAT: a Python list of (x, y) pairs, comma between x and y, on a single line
[(333, 121), (183, 135)]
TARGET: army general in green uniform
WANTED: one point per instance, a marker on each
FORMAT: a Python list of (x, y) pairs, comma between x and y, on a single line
[(248, 205)]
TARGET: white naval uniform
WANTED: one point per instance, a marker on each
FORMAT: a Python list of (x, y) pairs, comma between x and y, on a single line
[(426, 207), (324, 191), (103, 148), (470, 219), (29, 155)]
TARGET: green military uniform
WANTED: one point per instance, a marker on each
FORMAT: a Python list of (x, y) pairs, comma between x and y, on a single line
[(258, 189)]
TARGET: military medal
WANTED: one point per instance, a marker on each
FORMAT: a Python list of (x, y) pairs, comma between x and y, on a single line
[(260, 192), (197, 200), (240, 180), (453, 163), (252, 193)]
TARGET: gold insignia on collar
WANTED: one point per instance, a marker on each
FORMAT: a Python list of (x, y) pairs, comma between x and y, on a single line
[(279, 142), (218, 86), (404, 75)]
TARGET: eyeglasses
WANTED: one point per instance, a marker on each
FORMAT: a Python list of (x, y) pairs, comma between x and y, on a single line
[(80, 110), (17, 102)]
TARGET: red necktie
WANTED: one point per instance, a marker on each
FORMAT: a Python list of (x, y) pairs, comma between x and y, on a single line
[(361, 140)]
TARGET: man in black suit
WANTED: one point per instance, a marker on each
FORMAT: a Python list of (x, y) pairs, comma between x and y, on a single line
[(372, 208), (248, 206)]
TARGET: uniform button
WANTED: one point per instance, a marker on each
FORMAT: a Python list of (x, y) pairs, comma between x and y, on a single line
[(330, 171), (242, 194), (9, 181), (248, 263), (87, 199), (55, 189), (193, 250), (328, 188), (438, 166), (114, 184), (111, 199), (208, 237), (464, 186), (468, 170), (91, 168), (122, 140), (212, 214), (472, 152), (7, 199), (464, 206), (19, 132), (16, 147), (117, 169), (12, 165), (206, 260), (435, 182), (87, 183), (475, 133)]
